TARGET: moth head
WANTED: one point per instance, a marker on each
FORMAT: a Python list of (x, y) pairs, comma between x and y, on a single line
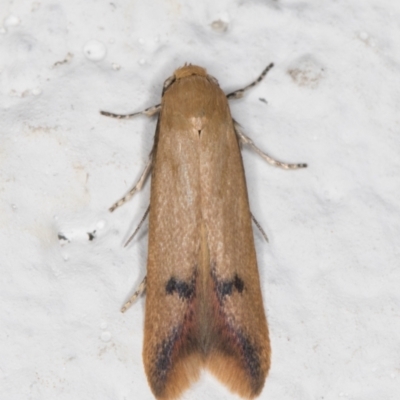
[(184, 72), (189, 69)]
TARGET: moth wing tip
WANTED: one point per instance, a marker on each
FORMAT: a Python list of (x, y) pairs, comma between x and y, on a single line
[(230, 372), (185, 372)]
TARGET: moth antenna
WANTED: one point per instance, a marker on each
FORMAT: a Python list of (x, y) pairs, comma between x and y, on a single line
[(237, 94), (148, 111)]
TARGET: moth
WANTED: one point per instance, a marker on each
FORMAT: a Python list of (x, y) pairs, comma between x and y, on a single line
[(204, 307)]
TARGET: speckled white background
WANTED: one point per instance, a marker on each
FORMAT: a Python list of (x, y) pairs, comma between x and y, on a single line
[(331, 271)]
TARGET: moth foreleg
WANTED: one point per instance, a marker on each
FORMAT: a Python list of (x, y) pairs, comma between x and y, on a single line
[(243, 139)]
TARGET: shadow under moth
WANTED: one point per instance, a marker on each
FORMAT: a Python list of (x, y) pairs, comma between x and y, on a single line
[(204, 306)]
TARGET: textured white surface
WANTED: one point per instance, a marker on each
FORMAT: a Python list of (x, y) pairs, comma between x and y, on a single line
[(330, 273)]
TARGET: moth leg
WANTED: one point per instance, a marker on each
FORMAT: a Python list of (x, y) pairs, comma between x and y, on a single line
[(138, 227), (257, 224), (237, 94), (148, 111), (137, 187), (140, 290), (243, 139)]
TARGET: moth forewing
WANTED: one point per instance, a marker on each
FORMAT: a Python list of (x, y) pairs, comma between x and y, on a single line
[(203, 305)]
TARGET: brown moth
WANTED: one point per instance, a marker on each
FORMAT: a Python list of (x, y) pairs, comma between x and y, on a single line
[(204, 307)]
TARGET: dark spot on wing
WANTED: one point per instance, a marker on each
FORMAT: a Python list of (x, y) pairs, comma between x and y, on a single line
[(226, 287), (180, 341), (233, 340), (238, 283), (164, 362), (251, 361), (185, 290)]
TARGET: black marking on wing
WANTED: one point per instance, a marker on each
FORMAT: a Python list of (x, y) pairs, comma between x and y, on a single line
[(226, 287), (251, 361), (164, 361), (181, 340), (235, 341), (185, 290)]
